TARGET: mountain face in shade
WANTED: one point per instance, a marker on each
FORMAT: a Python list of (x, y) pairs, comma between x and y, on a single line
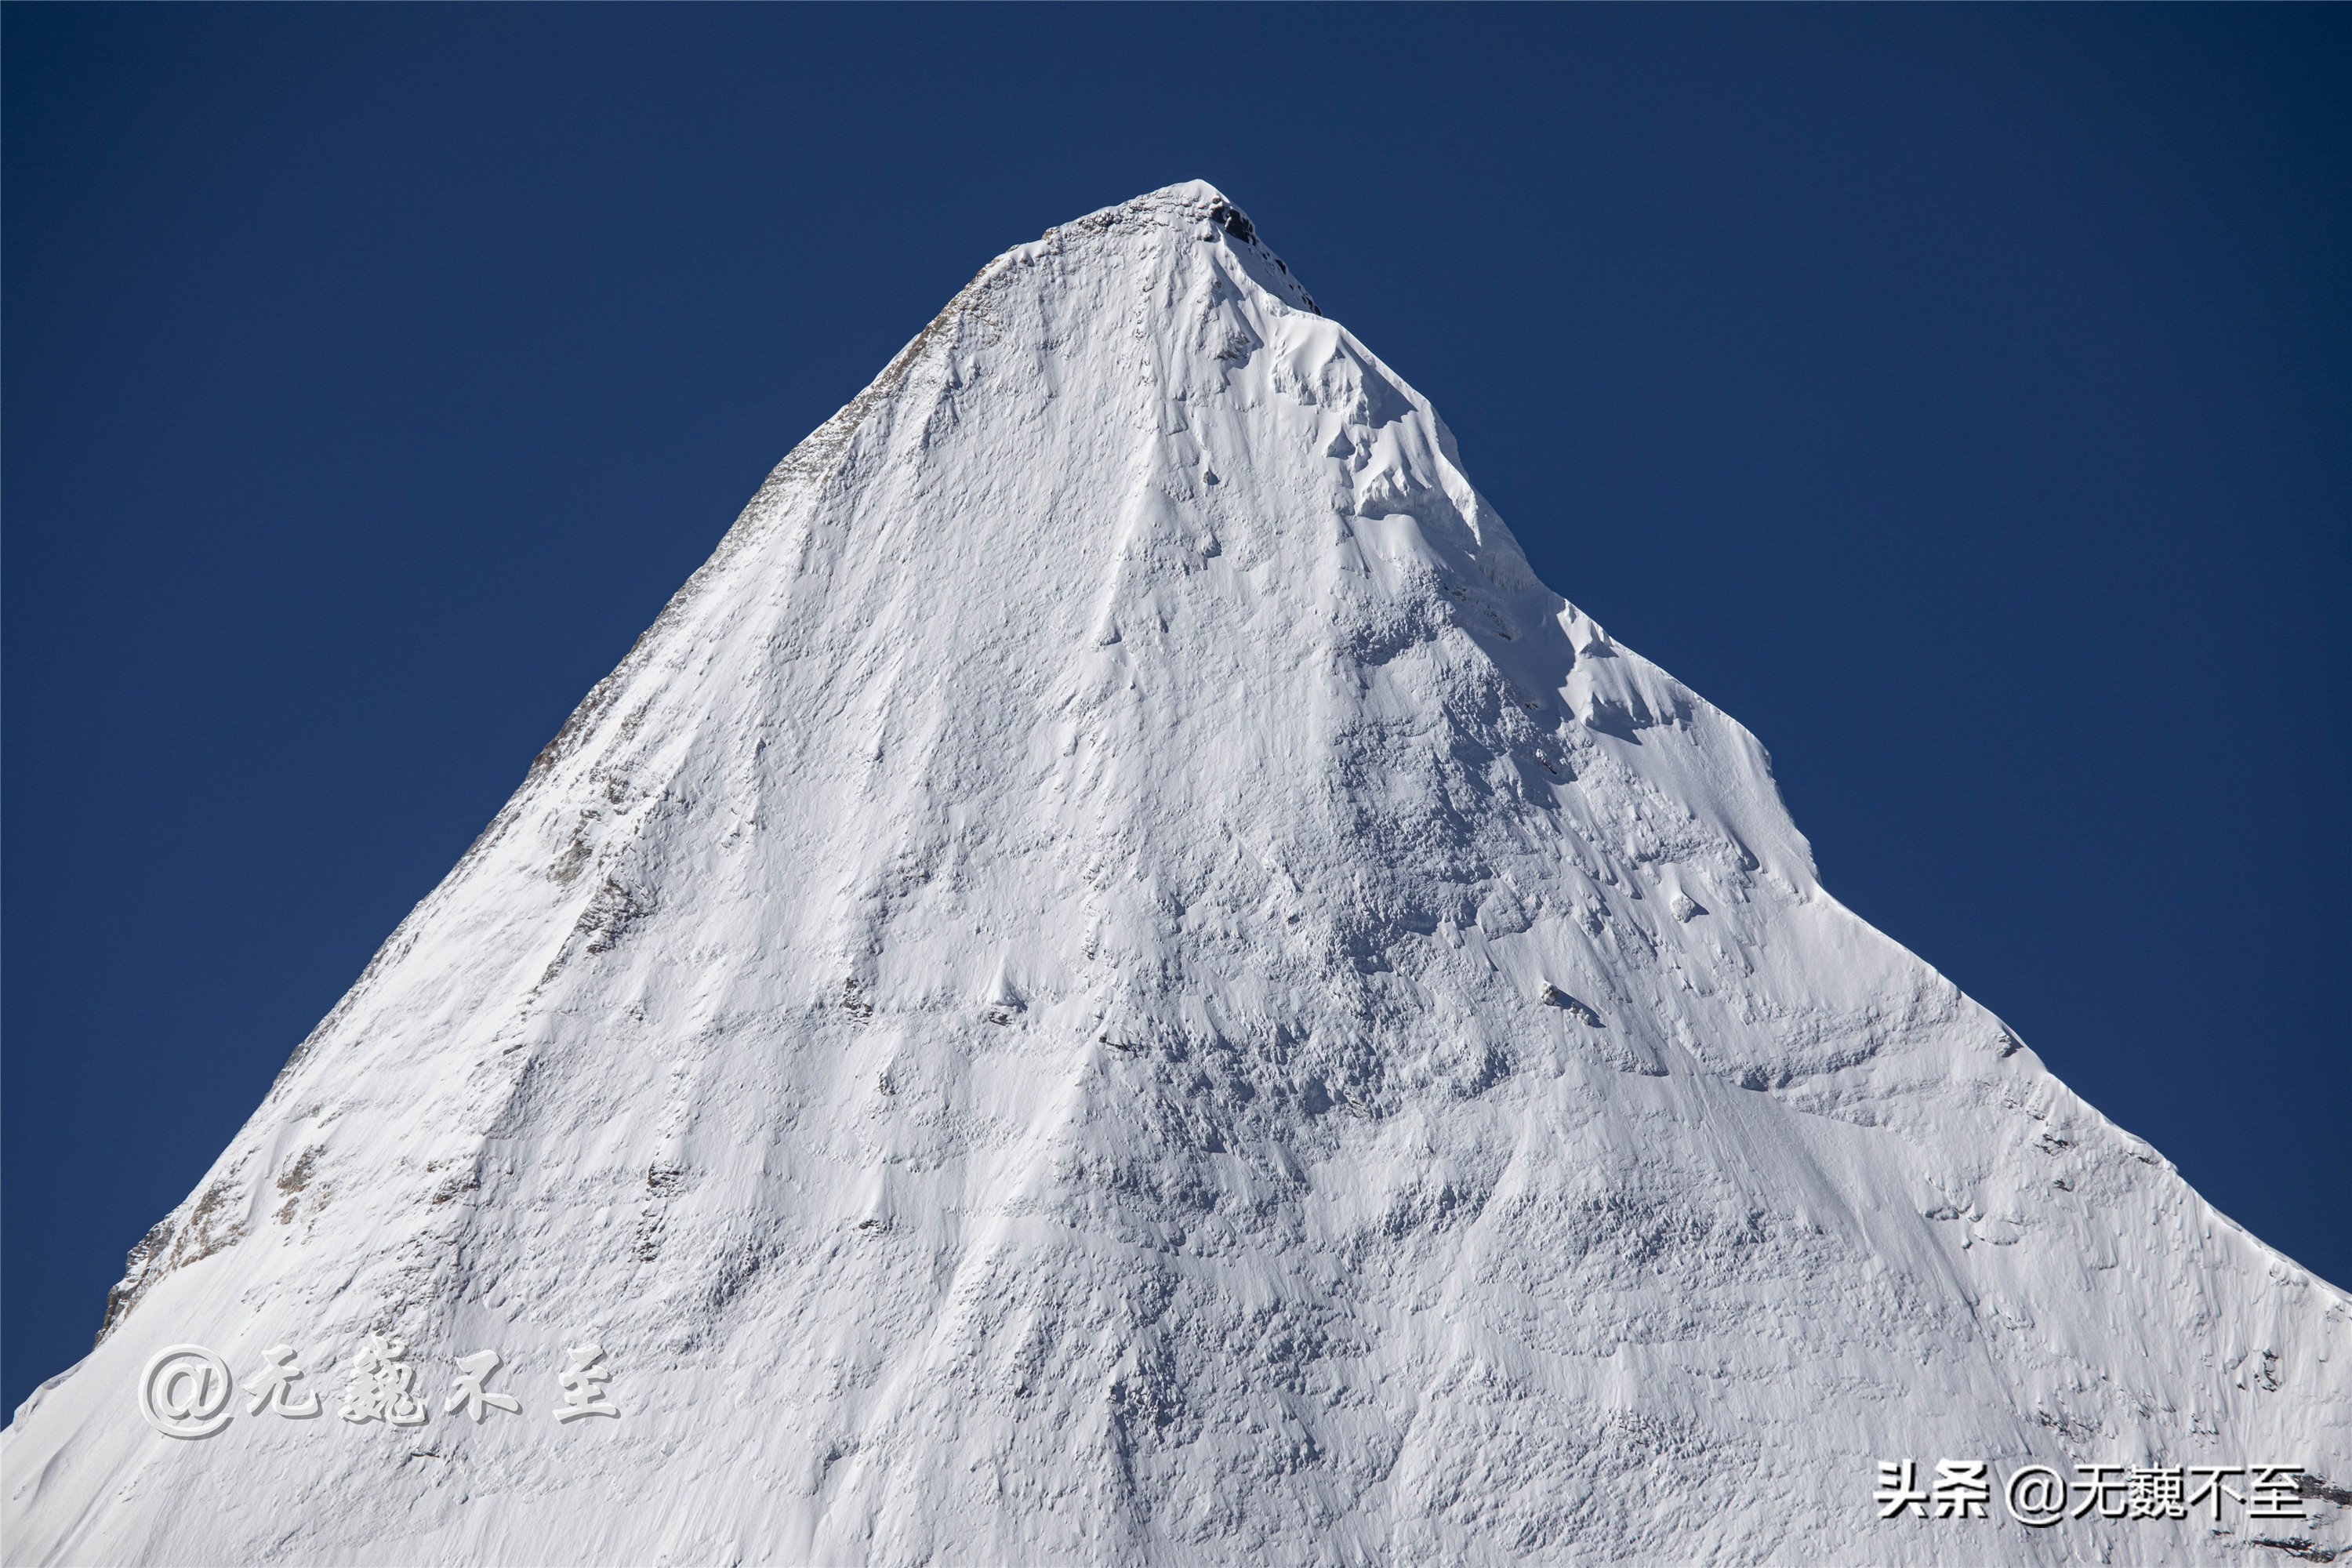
[(1116, 982)]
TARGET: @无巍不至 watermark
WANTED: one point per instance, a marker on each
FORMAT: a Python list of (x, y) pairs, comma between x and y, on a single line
[(2039, 1496), (187, 1391)]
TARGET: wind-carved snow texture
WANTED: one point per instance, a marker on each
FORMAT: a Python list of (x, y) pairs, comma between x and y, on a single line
[(1116, 982)]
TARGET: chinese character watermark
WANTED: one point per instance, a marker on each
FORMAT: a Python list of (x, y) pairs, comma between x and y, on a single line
[(185, 1390), (1898, 1489), (382, 1386), (273, 1387), (2155, 1493), (473, 1371), (2040, 1496), (582, 1392), (1962, 1490)]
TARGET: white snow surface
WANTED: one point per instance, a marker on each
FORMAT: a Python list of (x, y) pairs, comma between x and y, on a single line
[(1116, 982)]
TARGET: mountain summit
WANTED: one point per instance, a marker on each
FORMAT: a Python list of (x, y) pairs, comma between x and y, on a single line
[(1114, 981)]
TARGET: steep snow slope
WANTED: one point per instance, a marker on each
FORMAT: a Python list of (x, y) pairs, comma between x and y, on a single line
[(1114, 981)]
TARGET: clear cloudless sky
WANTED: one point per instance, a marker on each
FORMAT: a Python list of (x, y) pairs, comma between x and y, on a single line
[(1957, 396)]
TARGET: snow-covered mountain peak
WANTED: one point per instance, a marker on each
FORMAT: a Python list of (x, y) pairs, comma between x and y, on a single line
[(1191, 210), (1195, 209), (1115, 980)]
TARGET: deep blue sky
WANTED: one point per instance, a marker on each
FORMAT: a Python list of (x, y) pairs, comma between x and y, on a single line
[(1957, 396)]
